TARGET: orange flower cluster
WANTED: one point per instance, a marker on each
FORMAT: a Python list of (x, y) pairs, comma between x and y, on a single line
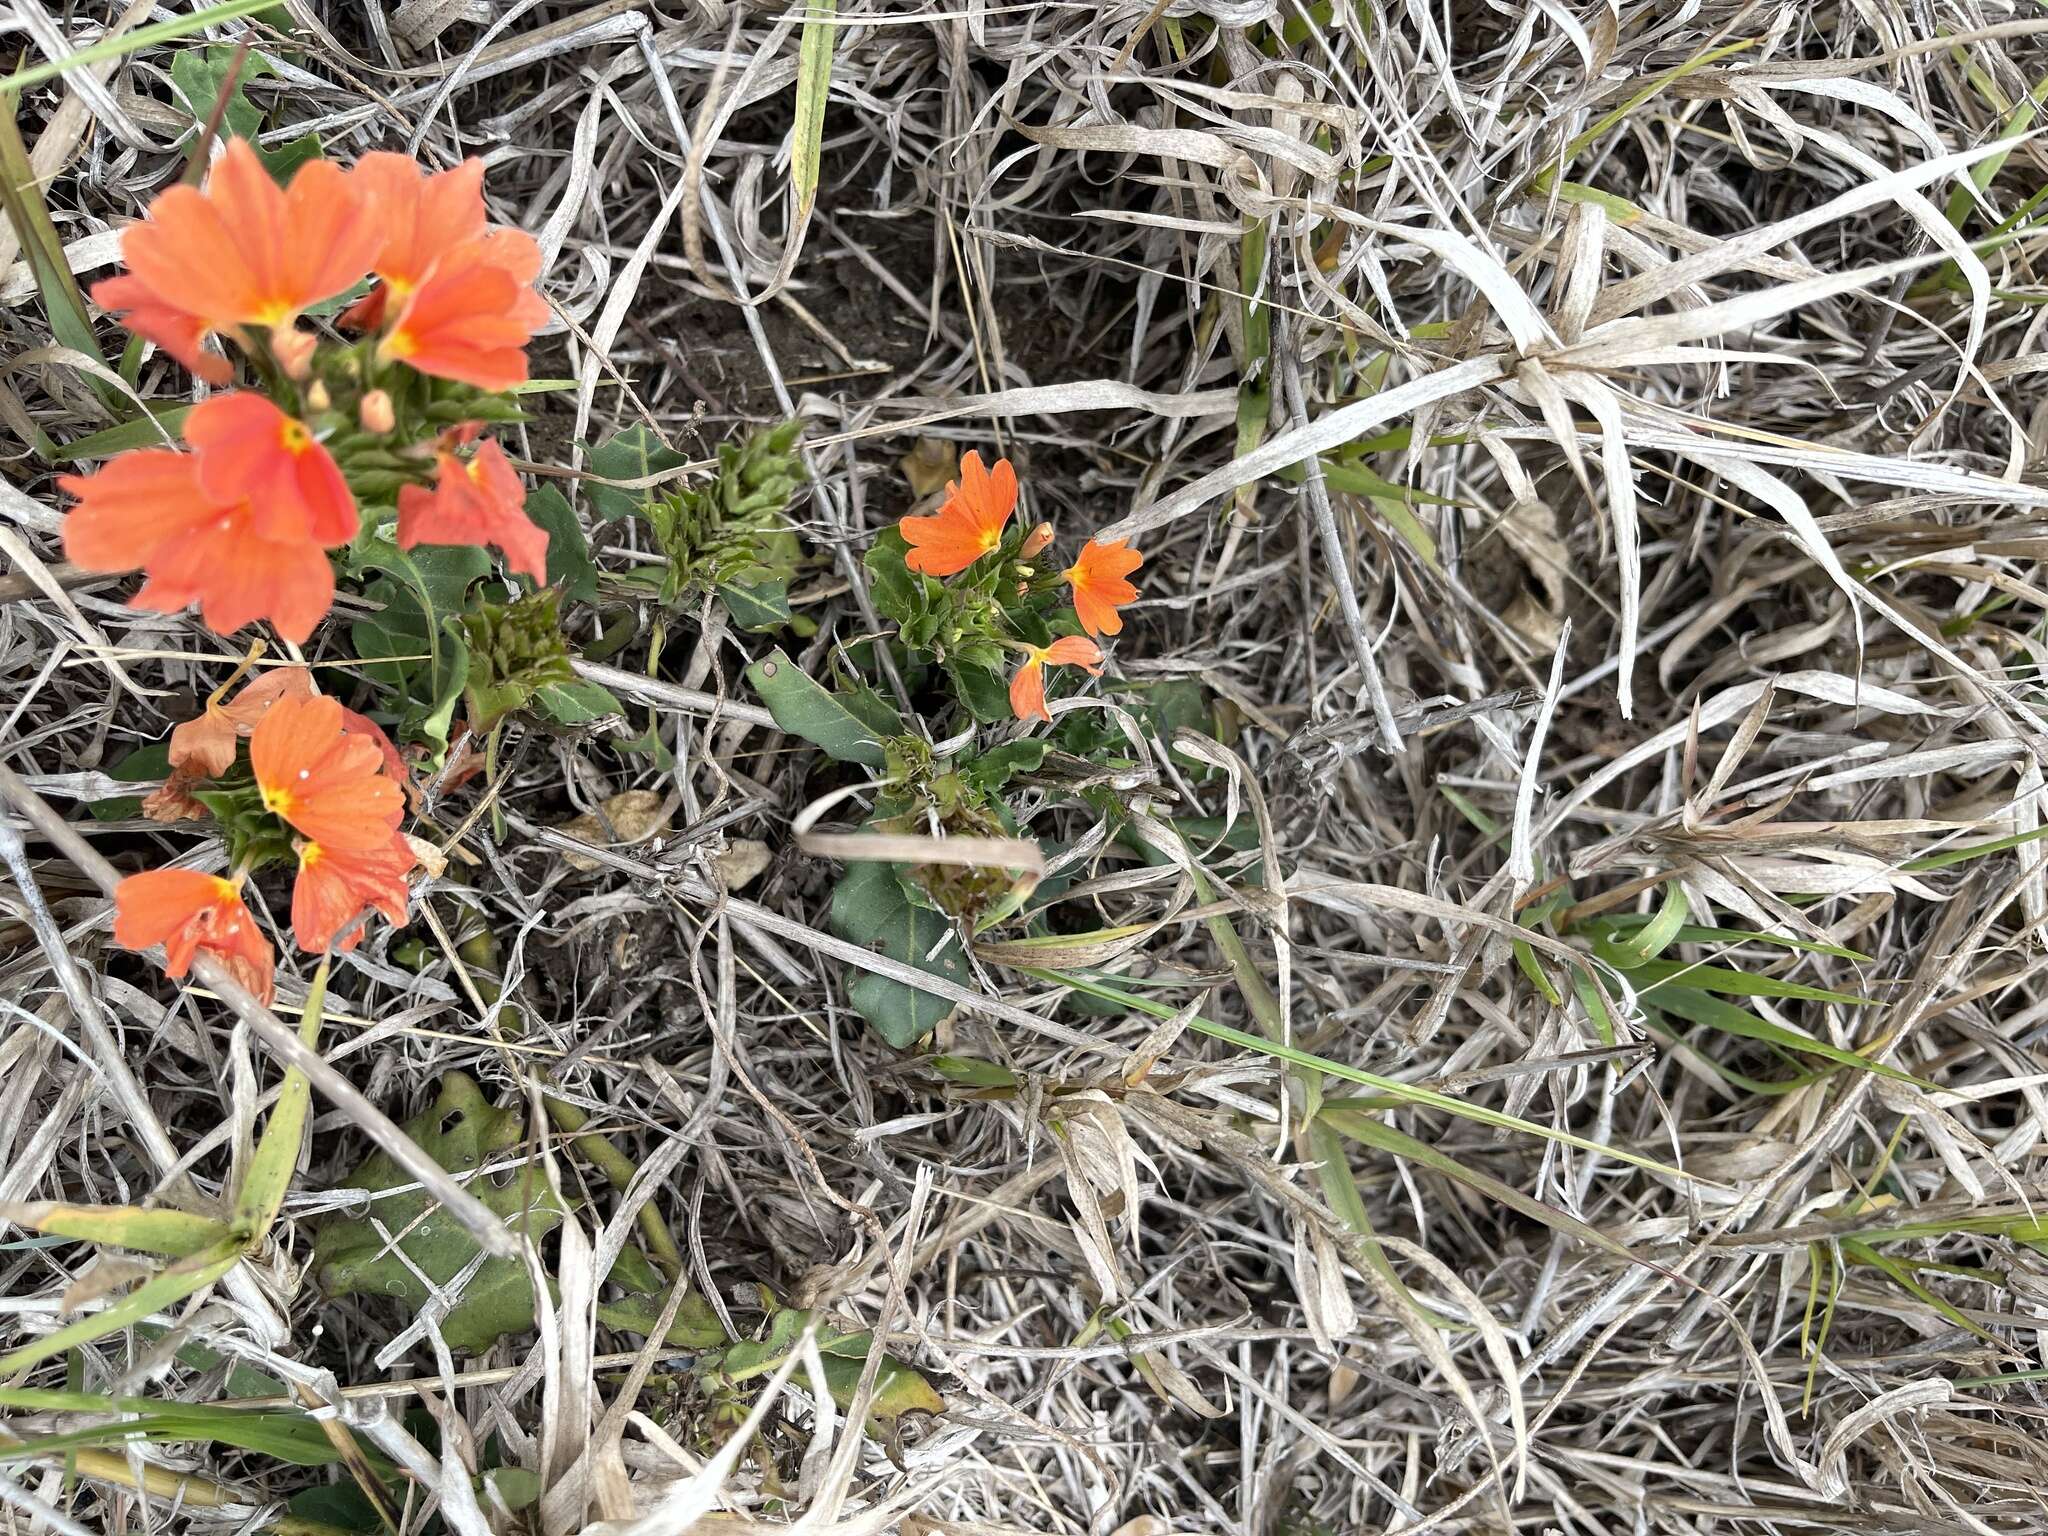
[(969, 524), (242, 524), (328, 774)]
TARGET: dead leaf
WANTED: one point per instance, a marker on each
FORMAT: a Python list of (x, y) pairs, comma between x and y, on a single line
[(928, 466), (634, 815)]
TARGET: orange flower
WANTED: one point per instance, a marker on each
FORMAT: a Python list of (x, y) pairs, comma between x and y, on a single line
[(249, 450), (420, 218), (481, 502), (186, 911), (1027, 688), (326, 782), (472, 316), (1100, 587), (148, 509), (242, 252), (968, 524), (334, 886)]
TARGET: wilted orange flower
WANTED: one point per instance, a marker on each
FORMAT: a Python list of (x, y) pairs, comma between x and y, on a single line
[(1100, 587), (241, 252), (968, 524), (481, 502), (334, 886), (186, 911), (326, 782), (204, 748), (148, 509), (1027, 688), (249, 450), (472, 316)]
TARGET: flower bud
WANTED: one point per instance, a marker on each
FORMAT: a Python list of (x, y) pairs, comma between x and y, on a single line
[(294, 351), (376, 413), (317, 398), (1034, 541)]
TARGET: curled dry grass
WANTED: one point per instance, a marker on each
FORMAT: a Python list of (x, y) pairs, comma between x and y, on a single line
[(1592, 451)]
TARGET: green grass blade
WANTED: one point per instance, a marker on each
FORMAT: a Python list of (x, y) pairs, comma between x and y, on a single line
[(1358, 1124), (1408, 1093), (1700, 1008), (130, 42), (813, 86), (153, 1295), (277, 1153)]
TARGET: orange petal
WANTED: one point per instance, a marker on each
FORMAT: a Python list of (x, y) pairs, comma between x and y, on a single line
[(205, 747), (177, 331), (481, 502), (1075, 651), (419, 218), (250, 705), (238, 577), (333, 887), (1027, 692), (132, 507), (151, 907), (328, 785), (249, 450)]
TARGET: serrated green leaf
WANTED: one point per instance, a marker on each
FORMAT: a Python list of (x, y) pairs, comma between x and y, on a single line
[(869, 907), (849, 727), (629, 455)]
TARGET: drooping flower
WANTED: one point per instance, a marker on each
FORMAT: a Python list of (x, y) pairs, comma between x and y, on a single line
[(204, 748), (1027, 688), (472, 316), (327, 783), (148, 509), (480, 502), (249, 450), (335, 885), (187, 911), (968, 524), (242, 251), (1100, 585)]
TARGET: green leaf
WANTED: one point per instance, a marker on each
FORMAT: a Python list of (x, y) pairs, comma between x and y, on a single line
[(132, 42), (142, 432), (813, 86), (988, 772), (200, 74), (1360, 1124), (898, 591), (142, 766), (166, 1288), (462, 1132), (629, 455), (407, 640), (577, 703), (1651, 940), (178, 1234), (695, 1325), (849, 727), (898, 1388), (1700, 1008), (569, 564), (869, 907), (1667, 974), (756, 606), (985, 694), (277, 1152)]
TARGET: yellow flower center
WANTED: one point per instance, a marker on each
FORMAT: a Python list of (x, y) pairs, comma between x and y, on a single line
[(293, 437), (225, 890), (311, 854), (278, 802)]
